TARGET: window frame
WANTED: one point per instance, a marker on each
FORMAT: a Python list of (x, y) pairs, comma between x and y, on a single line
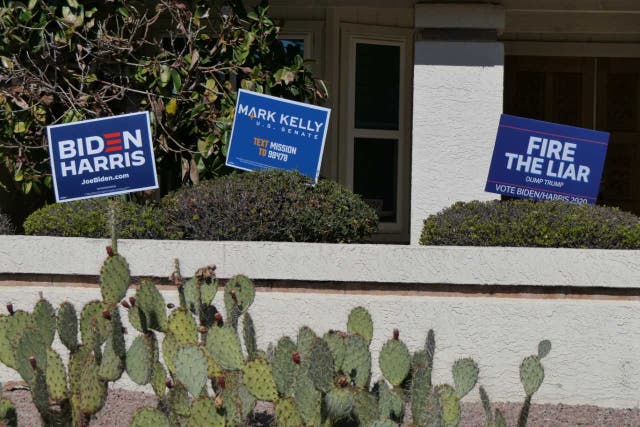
[(351, 35)]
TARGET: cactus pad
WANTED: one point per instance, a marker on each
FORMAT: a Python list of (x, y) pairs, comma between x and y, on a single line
[(94, 328), (321, 367), (384, 423), (191, 292), (204, 413), (178, 399), (258, 379), (111, 365), (114, 279), (249, 335), (44, 319), (139, 360), (68, 325), (183, 327), (56, 376), (450, 405), (170, 347), (357, 360), (360, 323), (465, 376), (93, 391), (339, 403), (531, 374), (544, 348), (29, 343), (365, 407), (308, 400), (337, 345), (152, 309), (283, 367), (191, 369), (287, 415), (149, 417), (224, 346), (244, 292), (395, 361), (390, 403), (158, 378), (10, 327), (208, 290), (420, 388), (77, 360)]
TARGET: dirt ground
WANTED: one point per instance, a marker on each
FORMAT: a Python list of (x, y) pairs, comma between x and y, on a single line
[(121, 405)]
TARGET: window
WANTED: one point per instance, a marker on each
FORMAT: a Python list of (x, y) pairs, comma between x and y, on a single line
[(375, 123)]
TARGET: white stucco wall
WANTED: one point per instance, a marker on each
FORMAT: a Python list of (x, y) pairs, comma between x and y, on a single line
[(596, 344), (457, 103)]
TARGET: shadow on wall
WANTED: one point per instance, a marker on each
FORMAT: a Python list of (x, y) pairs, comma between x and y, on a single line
[(461, 54)]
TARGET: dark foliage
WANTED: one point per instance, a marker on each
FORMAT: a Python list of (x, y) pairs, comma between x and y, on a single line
[(90, 218), (6, 226), (272, 206), (530, 223)]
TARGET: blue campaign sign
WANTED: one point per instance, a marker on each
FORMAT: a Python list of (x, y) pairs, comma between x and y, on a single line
[(547, 161), (275, 133), (102, 157)]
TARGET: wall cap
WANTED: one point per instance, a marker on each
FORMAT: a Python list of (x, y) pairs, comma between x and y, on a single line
[(466, 15)]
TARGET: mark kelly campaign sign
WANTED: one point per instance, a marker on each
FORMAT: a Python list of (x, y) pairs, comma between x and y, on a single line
[(101, 157), (276, 133), (547, 161)]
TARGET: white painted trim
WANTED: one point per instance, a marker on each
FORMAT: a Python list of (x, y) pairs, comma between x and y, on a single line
[(445, 15), (332, 262)]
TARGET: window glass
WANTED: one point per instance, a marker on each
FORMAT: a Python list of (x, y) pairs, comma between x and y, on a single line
[(375, 174), (377, 86)]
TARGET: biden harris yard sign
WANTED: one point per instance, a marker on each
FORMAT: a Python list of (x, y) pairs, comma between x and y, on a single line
[(547, 161), (276, 133), (101, 157)]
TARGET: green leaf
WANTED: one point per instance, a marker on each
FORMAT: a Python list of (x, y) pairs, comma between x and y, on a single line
[(20, 127), (177, 81), (123, 11), (253, 16)]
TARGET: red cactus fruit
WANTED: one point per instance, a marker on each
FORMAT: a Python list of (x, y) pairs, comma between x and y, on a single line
[(296, 358), (110, 251), (10, 309), (125, 304), (342, 381), (132, 301), (396, 334), (32, 361), (168, 383), (221, 381), (106, 314), (218, 317)]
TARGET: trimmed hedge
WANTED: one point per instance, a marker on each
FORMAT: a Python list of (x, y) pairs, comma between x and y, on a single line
[(6, 226), (271, 206), (530, 223), (89, 218)]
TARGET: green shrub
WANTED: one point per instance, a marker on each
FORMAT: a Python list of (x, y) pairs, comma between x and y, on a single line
[(269, 205), (89, 218), (6, 226), (530, 223)]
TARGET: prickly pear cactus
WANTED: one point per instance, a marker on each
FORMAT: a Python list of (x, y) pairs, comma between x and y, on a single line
[(149, 417), (183, 327), (465, 376), (283, 367), (321, 365), (191, 369), (336, 342), (357, 360), (152, 311), (360, 323), (205, 413), (239, 291), (287, 415), (339, 403), (395, 361), (258, 379), (224, 346), (139, 358), (114, 279), (531, 374), (68, 325)]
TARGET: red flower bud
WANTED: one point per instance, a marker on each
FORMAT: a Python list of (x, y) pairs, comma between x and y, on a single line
[(218, 317), (132, 301), (110, 251), (221, 382), (125, 304), (396, 334), (32, 361), (342, 381), (168, 383), (10, 309), (106, 314), (296, 358)]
